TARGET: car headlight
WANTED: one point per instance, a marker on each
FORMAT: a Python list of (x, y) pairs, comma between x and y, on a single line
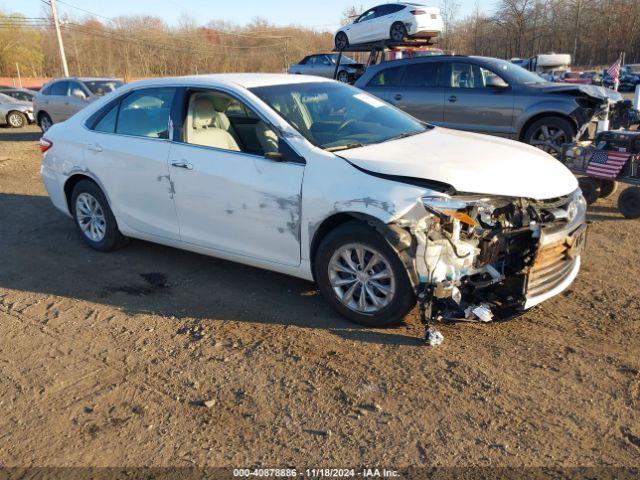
[(459, 207), (577, 204)]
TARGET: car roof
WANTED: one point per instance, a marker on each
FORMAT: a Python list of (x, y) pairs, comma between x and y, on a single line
[(246, 80), (83, 79)]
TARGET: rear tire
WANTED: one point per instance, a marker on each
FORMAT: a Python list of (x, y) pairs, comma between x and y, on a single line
[(387, 280), (549, 133), (589, 187), (629, 203), (341, 41), (343, 76), (17, 119), (398, 32), (94, 219)]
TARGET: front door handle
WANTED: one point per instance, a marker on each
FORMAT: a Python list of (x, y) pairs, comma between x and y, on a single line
[(182, 164), (398, 96), (453, 99), (94, 147)]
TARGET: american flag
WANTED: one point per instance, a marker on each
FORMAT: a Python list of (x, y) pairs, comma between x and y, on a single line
[(606, 164), (614, 70)]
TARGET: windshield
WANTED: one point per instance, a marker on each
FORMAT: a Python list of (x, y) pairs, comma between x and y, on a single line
[(22, 96), (102, 87), (6, 98), (516, 73), (334, 116)]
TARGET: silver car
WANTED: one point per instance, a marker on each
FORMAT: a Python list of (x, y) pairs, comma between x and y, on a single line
[(61, 98), (324, 65), (15, 113)]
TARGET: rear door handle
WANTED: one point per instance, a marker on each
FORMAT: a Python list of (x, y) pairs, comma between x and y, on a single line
[(453, 99), (94, 147), (397, 96), (182, 164)]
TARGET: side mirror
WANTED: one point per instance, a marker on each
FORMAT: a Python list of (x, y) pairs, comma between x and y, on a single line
[(79, 94)]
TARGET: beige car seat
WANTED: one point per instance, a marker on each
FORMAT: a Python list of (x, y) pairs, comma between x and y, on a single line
[(201, 129), (267, 137)]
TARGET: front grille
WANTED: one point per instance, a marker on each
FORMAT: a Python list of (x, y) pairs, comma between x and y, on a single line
[(552, 265)]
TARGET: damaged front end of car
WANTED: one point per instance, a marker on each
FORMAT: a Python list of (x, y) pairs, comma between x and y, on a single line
[(484, 258)]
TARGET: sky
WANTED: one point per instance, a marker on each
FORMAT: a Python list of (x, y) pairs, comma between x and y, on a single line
[(319, 14)]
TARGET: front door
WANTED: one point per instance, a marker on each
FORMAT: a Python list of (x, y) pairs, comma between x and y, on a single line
[(228, 195), (478, 100)]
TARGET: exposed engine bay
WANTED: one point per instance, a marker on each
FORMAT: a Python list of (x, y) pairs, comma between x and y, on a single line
[(484, 258)]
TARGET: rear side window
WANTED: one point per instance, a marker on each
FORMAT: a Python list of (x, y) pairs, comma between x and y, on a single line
[(145, 113), (108, 123), (421, 75), (387, 78), (59, 89)]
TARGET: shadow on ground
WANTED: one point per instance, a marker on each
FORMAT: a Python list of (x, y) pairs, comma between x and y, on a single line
[(45, 255)]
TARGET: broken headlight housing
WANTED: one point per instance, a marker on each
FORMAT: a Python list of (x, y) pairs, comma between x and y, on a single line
[(465, 208)]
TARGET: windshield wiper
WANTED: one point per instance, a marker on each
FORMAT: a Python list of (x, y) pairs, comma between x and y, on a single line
[(344, 147), (404, 135)]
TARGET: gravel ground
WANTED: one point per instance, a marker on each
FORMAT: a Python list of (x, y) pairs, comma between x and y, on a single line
[(107, 360)]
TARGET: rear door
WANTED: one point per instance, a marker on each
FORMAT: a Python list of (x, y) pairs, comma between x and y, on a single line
[(478, 100), (127, 149), (417, 88)]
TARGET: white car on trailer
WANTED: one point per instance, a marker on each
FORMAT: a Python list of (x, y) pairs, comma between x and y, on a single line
[(391, 21)]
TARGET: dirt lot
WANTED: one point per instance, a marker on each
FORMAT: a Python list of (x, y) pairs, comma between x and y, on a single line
[(105, 360)]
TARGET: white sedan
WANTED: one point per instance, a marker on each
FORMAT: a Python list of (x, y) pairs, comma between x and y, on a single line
[(317, 179), (391, 21)]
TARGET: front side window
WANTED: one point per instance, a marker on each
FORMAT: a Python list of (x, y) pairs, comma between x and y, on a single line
[(145, 113), (335, 116), (59, 89), (368, 15), (217, 120), (467, 75), (76, 90)]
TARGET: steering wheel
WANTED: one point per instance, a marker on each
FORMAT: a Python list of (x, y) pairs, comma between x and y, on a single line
[(351, 121)]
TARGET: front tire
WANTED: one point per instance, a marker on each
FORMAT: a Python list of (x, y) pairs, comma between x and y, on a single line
[(549, 133), (589, 187), (362, 278), (341, 41), (94, 219), (16, 119)]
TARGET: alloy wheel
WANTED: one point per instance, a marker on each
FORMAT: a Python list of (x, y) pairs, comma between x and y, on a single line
[(549, 139), (16, 120), (361, 278), (90, 217), (343, 76)]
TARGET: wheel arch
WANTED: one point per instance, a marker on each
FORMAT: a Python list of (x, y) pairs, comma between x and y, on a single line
[(398, 238), (538, 116), (74, 179)]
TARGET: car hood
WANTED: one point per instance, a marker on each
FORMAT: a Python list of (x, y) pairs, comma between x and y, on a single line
[(470, 163), (601, 93)]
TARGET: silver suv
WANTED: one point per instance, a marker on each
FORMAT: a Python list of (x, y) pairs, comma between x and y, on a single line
[(488, 95), (61, 98)]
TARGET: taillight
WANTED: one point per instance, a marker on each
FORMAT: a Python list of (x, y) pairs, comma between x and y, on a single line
[(418, 12), (45, 144)]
